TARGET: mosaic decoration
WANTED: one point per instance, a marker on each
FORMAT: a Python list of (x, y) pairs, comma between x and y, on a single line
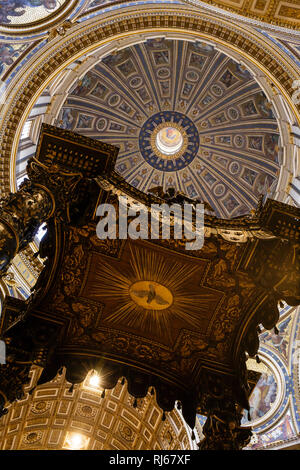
[(27, 11), (8, 55), (273, 405), (229, 140), (281, 433), (262, 397), (280, 423), (279, 341)]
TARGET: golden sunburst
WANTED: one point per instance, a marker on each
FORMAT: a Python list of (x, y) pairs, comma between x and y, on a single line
[(150, 293)]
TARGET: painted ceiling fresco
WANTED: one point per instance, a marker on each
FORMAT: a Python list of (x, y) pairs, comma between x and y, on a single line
[(229, 154)]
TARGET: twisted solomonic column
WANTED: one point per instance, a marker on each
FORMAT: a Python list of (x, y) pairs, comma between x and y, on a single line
[(46, 193)]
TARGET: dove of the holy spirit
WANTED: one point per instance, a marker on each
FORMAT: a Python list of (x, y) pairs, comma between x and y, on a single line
[(187, 220), (151, 295)]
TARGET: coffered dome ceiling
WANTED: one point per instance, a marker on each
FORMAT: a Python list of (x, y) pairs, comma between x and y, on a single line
[(184, 115), (55, 417)]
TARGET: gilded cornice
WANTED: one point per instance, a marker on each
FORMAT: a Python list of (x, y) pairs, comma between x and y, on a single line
[(281, 13)]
